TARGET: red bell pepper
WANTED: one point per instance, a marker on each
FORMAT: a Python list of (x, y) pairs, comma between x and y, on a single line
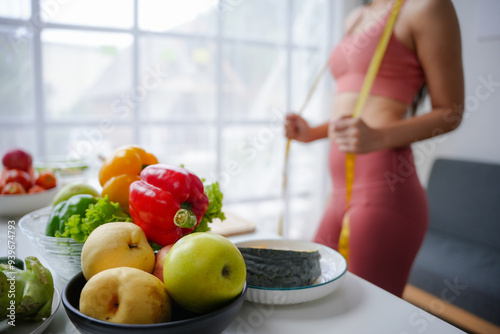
[(167, 202)]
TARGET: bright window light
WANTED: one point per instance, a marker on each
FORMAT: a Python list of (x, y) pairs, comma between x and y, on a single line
[(203, 83)]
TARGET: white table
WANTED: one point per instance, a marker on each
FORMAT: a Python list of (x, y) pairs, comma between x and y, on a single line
[(357, 306)]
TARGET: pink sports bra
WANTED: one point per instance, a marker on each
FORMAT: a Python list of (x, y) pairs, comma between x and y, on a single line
[(400, 76)]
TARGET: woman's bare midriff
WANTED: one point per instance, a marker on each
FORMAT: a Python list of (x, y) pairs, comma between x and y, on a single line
[(378, 110)]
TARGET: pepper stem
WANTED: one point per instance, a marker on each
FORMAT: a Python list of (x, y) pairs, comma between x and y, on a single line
[(185, 219)]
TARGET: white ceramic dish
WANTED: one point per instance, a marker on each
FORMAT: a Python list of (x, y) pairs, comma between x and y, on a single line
[(333, 269), (33, 327), (19, 205)]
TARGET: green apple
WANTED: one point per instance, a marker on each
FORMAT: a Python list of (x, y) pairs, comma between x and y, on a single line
[(203, 271), (72, 189)]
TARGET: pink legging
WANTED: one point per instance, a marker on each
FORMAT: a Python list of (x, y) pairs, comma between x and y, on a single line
[(388, 215)]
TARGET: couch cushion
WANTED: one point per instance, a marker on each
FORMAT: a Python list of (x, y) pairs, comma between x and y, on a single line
[(460, 272), (464, 200)]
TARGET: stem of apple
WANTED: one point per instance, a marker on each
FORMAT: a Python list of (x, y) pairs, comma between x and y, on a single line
[(185, 219)]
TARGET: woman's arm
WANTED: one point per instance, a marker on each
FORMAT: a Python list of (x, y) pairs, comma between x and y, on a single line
[(436, 34), (297, 128), (438, 44)]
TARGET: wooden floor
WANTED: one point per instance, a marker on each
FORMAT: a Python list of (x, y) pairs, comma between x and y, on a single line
[(449, 312)]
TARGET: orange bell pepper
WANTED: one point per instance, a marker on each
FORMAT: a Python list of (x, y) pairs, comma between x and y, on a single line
[(121, 169)]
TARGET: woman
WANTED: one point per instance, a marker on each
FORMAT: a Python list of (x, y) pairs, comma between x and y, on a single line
[(388, 210)]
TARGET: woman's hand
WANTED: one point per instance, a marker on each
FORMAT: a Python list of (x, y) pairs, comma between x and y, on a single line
[(352, 135), (297, 128)]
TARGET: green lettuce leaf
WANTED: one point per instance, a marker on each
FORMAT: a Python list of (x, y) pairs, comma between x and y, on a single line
[(214, 210), (102, 212)]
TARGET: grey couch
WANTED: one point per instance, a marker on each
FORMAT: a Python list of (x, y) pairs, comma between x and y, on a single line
[(459, 261)]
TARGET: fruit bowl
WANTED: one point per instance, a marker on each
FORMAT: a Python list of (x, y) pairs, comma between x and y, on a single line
[(19, 205), (61, 254), (183, 322)]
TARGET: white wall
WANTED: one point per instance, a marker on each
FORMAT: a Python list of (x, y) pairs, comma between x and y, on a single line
[(478, 137)]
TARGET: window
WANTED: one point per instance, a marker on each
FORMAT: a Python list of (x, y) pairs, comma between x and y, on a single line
[(203, 83)]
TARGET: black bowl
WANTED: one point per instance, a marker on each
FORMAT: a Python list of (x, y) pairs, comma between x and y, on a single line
[(183, 322)]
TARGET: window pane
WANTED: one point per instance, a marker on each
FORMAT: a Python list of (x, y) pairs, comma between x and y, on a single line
[(193, 146), (88, 74), (104, 13), (181, 76), (306, 66), (18, 137), (252, 161), (308, 161), (15, 9), (187, 16), (85, 142), (16, 74), (255, 19), (309, 22), (253, 81)]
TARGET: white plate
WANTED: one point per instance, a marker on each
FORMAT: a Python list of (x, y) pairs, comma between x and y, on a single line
[(333, 269), (32, 327), (19, 205)]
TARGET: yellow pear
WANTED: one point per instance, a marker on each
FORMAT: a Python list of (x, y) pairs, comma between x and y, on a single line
[(115, 245), (127, 296)]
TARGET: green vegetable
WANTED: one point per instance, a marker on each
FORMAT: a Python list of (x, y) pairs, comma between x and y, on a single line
[(75, 205), (104, 211), (26, 294), (214, 210), (11, 260)]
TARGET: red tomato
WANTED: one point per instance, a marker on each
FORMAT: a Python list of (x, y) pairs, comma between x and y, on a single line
[(36, 189), (19, 176), (13, 188), (46, 179)]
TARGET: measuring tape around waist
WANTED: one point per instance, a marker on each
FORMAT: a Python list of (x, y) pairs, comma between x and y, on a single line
[(350, 161)]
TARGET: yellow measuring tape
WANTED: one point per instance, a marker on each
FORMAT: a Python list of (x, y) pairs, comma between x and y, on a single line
[(358, 108)]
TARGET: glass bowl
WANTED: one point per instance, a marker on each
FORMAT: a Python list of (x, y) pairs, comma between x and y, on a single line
[(63, 255), (68, 170)]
